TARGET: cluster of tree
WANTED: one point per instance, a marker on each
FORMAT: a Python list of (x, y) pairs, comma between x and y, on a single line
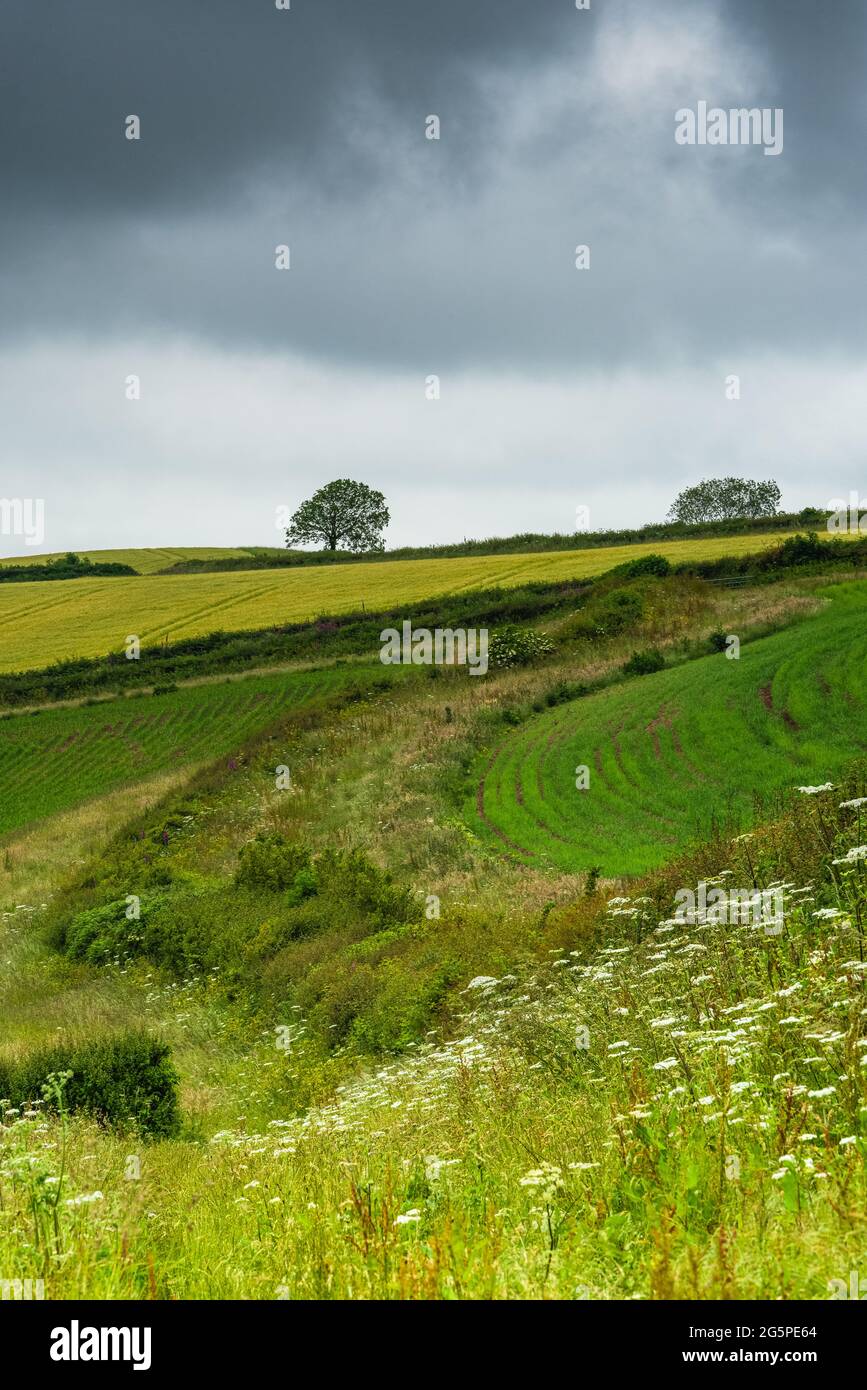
[(723, 499)]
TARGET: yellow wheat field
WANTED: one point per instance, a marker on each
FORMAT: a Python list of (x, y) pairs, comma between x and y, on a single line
[(41, 623), (145, 561)]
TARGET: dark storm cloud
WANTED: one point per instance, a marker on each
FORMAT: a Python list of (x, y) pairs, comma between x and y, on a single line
[(818, 53), (226, 86), (307, 127)]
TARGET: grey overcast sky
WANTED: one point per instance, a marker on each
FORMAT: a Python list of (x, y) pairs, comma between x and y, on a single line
[(602, 387)]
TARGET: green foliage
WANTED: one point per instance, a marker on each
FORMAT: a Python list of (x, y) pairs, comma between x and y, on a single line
[(656, 565), (724, 499), (591, 882), (618, 611), (561, 694), (350, 877), (514, 646), (269, 861), (343, 514), (101, 934), (256, 932), (68, 566), (126, 1080), (797, 550), (643, 663)]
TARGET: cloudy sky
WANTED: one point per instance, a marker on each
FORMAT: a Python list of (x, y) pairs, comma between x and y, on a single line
[(410, 257)]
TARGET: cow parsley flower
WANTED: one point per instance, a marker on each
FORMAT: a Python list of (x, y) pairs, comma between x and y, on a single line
[(408, 1217)]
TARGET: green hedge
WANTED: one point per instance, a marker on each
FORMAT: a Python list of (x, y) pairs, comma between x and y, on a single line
[(124, 1080)]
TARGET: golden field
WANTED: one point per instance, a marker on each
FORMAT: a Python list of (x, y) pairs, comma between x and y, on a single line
[(145, 561), (42, 623)]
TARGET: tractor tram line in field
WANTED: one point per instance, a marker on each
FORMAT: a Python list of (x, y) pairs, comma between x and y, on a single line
[(667, 753), (55, 757)]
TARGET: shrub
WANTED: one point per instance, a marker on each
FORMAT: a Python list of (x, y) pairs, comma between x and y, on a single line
[(99, 934), (350, 877), (280, 896), (562, 693), (270, 861), (717, 641), (125, 1080), (643, 663), (515, 646), (619, 609), (607, 613), (648, 564), (795, 550)]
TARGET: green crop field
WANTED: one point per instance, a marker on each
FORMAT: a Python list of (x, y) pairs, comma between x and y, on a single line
[(90, 617), (667, 752), (58, 758)]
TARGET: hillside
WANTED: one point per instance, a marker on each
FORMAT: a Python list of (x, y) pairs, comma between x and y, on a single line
[(378, 1056), (91, 617)]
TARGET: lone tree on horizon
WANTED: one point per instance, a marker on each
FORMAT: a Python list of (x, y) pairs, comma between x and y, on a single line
[(725, 499), (342, 515)]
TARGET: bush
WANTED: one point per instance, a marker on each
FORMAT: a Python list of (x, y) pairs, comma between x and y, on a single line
[(100, 934), (562, 693), (125, 1080), (648, 564), (350, 877), (717, 641), (515, 646), (608, 612), (795, 550), (270, 861), (620, 609), (643, 663)]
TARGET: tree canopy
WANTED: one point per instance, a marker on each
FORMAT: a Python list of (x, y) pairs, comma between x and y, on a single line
[(343, 515), (723, 499)]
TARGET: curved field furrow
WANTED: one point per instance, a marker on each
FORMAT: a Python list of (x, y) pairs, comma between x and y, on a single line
[(670, 753), (60, 757)]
